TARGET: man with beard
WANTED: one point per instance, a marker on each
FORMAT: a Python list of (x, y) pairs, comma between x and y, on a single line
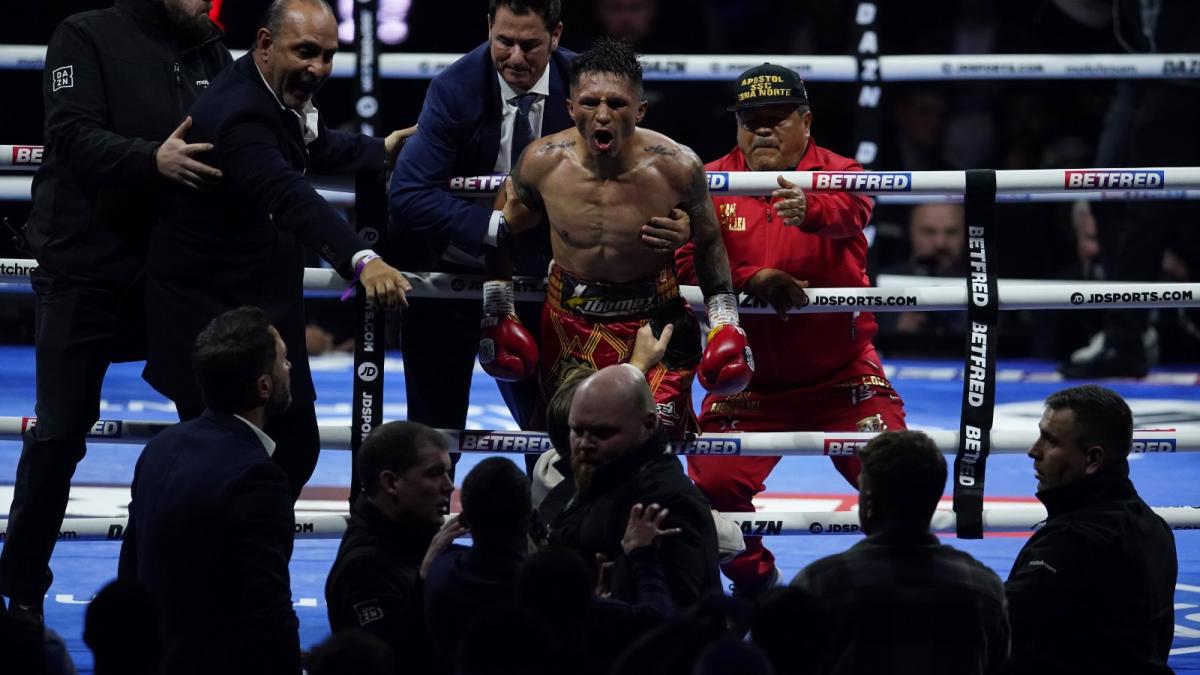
[(116, 85), (595, 185), (242, 243), (620, 457), (404, 468), (210, 525)]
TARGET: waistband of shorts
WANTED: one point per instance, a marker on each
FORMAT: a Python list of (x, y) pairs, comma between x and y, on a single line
[(609, 301)]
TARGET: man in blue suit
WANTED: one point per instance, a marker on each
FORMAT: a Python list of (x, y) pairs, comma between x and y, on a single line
[(211, 526), (242, 242), (479, 114)]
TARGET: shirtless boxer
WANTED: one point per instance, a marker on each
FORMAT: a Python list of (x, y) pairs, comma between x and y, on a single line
[(597, 184)]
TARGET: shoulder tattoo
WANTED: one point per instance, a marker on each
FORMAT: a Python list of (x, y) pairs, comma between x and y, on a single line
[(660, 149)]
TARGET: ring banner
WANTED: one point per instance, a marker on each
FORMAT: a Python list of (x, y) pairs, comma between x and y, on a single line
[(370, 342), (866, 117), (979, 381)]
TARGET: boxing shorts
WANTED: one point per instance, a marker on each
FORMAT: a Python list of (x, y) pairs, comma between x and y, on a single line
[(594, 324)]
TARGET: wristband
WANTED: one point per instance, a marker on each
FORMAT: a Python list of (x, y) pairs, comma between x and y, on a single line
[(722, 309), (358, 268), (498, 298)]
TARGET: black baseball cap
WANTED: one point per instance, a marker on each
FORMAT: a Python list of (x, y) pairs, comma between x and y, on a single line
[(769, 84)]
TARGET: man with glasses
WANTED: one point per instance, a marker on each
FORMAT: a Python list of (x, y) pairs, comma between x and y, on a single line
[(816, 371)]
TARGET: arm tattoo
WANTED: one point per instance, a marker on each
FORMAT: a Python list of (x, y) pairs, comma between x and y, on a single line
[(712, 262), (528, 196), (660, 149)]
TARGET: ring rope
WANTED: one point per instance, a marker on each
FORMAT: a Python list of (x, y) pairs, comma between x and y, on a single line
[(749, 444), (721, 67), (764, 523), (930, 298)]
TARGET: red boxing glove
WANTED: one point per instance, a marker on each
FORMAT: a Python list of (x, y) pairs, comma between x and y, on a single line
[(507, 351), (727, 364)]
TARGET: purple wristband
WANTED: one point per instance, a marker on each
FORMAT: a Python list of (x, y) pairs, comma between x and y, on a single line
[(358, 268)]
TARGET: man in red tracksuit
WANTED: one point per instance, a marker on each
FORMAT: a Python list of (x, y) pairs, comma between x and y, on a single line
[(814, 372)]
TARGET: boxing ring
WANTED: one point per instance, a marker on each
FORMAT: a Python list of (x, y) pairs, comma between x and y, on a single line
[(898, 187)]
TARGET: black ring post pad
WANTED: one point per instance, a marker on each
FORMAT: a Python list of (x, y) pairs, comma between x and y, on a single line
[(979, 372), (370, 212)]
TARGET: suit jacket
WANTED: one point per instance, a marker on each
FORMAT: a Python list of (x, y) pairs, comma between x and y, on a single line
[(459, 135), (241, 244), (210, 533)]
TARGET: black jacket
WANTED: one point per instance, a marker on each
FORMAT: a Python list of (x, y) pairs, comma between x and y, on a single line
[(595, 522), (242, 243), (374, 584), (1093, 589), (210, 533), (116, 84)]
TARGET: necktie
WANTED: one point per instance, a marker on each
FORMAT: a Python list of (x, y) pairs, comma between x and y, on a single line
[(522, 131)]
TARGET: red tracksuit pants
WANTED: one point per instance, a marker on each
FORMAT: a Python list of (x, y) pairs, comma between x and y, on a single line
[(866, 403)]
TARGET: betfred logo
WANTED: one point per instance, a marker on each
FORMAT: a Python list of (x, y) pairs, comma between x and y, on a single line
[(708, 446), (504, 441), (718, 181), (1153, 445), (477, 183), (860, 181), (26, 155), (101, 429), (847, 447), (1114, 180)]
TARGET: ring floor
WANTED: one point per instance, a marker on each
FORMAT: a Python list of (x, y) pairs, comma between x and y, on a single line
[(931, 389)]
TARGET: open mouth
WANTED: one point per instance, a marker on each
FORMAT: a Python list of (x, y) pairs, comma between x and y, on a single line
[(603, 139)]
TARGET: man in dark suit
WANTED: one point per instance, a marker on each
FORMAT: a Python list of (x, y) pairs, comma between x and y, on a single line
[(241, 244), (211, 526), (117, 81), (479, 114)]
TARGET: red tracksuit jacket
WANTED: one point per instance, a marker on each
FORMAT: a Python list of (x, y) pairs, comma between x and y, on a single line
[(810, 349)]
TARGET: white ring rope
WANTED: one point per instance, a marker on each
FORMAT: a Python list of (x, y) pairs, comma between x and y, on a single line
[(931, 298), (722, 67), (750, 444), (1054, 185), (765, 523)]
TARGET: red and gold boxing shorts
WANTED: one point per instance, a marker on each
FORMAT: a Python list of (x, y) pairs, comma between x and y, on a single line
[(594, 324)]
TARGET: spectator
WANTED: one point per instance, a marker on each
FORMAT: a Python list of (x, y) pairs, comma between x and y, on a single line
[(937, 234), (1147, 125), (573, 598), (553, 466), (122, 628), (619, 457), (352, 652), (1093, 590), (788, 626), (114, 142), (268, 134), (374, 582), (505, 640), (210, 525), (899, 601), (497, 511)]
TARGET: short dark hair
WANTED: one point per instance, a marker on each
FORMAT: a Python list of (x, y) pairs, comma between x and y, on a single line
[(496, 502), (272, 16), (907, 474), (229, 356), (395, 447), (608, 55), (558, 410), (1102, 417), (549, 10)]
